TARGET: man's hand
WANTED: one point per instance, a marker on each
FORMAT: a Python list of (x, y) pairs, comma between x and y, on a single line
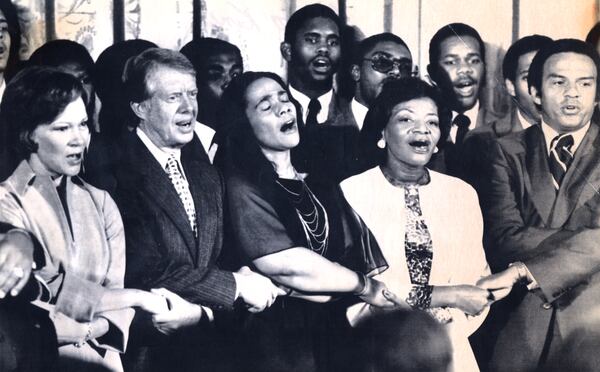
[(257, 291), (16, 262), (500, 284), (182, 313)]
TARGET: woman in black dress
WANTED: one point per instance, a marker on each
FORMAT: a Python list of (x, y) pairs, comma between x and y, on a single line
[(295, 228)]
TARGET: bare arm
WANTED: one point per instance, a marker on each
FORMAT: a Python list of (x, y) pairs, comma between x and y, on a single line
[(305, 271)]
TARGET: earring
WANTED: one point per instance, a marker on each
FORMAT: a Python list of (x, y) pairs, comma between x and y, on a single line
[(435, 150), (381, 143)]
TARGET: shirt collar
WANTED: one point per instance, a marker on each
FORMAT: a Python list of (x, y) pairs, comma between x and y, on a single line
[(359, 111), (471, 114), (160, 154), (550, 133), (24, 177), (303, 100), (524, 123), (2, 88)]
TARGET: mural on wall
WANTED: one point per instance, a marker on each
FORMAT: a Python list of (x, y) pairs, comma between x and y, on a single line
[(255, 31), (169, 25), (32, 20), (88, 22), (132, 19)]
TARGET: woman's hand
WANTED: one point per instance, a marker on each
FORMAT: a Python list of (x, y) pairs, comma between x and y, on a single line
[(16, 262), (470, 299), (377, 294), (181, 313), (152, 302)]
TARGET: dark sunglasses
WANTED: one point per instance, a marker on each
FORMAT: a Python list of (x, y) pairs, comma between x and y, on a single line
[(384, 65)]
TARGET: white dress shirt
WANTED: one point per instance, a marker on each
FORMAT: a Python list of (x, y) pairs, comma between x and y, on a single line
[(524, 123), (550, 134), (303, 100), (206, 135), (359, 111), (160, 154)]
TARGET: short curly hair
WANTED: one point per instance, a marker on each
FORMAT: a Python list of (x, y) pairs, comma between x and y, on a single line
[(395, 92)]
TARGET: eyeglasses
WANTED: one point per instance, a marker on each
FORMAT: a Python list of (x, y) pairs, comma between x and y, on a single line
[(385, 65)]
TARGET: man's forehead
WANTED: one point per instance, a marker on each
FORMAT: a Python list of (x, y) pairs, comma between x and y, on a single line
[(454, 44), (223, 59), (318, 25), (391, 48), (164, 78), (570, 63)]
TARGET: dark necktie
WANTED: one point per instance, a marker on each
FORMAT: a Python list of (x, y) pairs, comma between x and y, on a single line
[(462, 122), (314, 107), (560, 157)]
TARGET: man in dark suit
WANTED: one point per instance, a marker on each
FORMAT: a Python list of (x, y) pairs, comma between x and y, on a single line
[(172, 206), (541, 212), (457, 67)]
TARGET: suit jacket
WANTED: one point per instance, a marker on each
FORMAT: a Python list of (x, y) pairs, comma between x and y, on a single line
[(554, 233), (461, 161), (161, 248)]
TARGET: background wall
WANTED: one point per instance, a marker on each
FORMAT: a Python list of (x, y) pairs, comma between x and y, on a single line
[(256, 26)]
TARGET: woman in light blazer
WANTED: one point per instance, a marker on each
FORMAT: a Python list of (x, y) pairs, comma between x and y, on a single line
[(79, 227)]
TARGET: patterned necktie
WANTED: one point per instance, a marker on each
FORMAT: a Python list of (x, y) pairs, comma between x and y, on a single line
[(560, 157), (314, 107), (418, 248), (462, 122), (183, 190)]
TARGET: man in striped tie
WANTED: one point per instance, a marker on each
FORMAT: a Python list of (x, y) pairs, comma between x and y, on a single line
[(542, 214)]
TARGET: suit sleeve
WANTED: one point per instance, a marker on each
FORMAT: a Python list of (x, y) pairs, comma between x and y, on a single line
[(157, 256), (508, 237), (567, 258)]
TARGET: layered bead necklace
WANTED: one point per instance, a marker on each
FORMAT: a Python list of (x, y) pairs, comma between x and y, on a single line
[(312, 215)]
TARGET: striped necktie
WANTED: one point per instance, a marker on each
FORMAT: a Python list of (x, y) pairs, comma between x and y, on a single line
[(183, 190), (560, 157)]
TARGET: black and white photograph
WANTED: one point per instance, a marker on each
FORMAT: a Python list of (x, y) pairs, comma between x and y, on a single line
[(299, 186)]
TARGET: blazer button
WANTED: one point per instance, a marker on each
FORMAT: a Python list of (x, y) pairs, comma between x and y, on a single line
[(546, 306)]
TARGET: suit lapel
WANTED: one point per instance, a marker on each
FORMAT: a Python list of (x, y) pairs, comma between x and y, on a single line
[(538, 180), (201, 184), (159, 188), (581, 176)]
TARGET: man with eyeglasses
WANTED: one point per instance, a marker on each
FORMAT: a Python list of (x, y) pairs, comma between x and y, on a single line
[(378, 59)]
